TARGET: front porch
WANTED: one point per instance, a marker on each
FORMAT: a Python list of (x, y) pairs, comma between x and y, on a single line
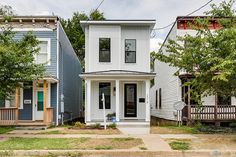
[(126, 96), (29, 106)]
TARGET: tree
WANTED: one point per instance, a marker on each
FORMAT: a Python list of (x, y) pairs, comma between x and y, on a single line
[(75, 32), (17, 61), (210, 57)]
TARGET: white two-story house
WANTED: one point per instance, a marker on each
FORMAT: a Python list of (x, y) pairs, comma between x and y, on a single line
[(117, 63)]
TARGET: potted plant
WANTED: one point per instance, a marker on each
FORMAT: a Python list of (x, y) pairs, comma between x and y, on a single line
[(111, 116)]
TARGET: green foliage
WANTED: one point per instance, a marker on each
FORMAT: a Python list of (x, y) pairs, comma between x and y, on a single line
[(103, 147), (75, 32), (112, 126), (179, 145), (232, 125), (4, 130), (96, 126), (209, 57), (17, 61), (79, 125)]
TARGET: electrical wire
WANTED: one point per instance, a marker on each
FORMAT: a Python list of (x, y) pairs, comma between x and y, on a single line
[(160, 28)]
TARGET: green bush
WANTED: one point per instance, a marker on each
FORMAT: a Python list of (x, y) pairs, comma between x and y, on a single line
[(232, 125), (112, 126), (79, 125), (179, 145), (96, 126)]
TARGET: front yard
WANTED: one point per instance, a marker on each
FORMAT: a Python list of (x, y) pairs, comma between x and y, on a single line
[(205, 142), (18, 143), (63, 130)]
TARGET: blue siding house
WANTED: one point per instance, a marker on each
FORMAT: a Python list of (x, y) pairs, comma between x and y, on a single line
[(57, 96)]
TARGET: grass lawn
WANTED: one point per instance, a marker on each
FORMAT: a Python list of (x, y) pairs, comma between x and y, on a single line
[(18, 143), (205, 142), (81, 131), (6, 129), (173, 130), (179, 145)]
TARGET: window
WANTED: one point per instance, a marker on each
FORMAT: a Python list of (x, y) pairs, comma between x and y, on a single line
[(156, 99), (43, 57), (160, 103), (12, 101), (106, 89), (224, 100), (130, 51), (104, 50)]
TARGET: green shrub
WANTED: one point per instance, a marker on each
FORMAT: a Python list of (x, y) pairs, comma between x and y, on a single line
[(232, 125), (179, 145), (112, 126), (79, 125), (96, 126)]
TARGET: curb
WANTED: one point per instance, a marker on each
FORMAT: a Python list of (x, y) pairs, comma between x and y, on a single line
[(113, 153)]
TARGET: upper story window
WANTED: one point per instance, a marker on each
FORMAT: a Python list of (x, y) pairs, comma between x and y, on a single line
[(130, 51), (104, 50), (43, 57)]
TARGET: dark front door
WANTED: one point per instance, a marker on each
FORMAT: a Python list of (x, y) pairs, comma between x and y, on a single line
[(130, 100)]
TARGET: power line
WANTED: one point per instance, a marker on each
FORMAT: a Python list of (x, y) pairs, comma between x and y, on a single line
[(160, 28), (99, 5)]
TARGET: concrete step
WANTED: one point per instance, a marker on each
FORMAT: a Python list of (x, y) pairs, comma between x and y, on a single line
[(31, 127)]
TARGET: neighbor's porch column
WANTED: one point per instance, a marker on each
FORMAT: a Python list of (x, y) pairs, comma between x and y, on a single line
[(44, 101), (88, 101), (117, 100), (147, 84)]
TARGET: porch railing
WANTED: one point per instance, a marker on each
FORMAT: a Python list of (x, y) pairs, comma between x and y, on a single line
[(8, 116), (218, 112)]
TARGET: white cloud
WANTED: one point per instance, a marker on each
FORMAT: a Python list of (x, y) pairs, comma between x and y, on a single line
[(155, 44)]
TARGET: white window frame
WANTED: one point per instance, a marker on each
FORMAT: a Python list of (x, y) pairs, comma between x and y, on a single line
[(48, 40)]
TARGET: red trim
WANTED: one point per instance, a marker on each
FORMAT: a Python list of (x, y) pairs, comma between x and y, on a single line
[(184, 24)]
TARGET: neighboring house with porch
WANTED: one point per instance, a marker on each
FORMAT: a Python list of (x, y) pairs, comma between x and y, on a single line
[(168, 87), (117, 63), (42, 102)]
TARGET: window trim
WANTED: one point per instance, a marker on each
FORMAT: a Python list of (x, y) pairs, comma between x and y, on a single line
[(131, 51), (48, 40), (99, 95), (100, 50)]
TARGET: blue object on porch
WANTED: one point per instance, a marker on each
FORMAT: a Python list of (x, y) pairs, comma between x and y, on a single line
[(113, 119)]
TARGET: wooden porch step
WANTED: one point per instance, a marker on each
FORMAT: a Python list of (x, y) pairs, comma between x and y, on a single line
[(31, 125)]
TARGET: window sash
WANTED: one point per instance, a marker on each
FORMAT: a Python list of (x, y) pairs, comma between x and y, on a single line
[(43, 57), (104, 50), (106, 89), (130, 50)]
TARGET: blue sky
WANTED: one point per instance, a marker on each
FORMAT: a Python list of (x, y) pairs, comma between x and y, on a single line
[(164, 11)]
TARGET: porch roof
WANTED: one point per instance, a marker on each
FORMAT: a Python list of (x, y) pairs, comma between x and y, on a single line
[(117, 74)]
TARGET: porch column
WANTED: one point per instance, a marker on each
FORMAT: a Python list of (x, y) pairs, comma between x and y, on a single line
[(147, 84), (117, 100), (44, 101), (17, 103), (88, 98)]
